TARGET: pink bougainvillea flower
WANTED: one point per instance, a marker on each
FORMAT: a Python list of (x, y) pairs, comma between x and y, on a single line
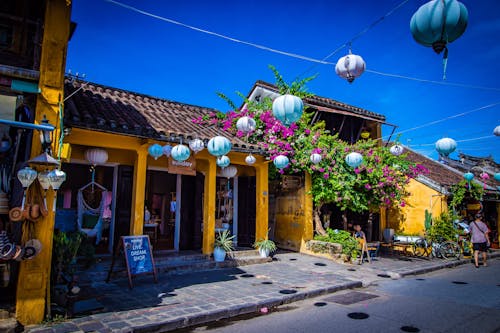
[(326, 175)]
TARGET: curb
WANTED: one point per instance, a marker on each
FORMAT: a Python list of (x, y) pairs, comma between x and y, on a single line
[(214, 315)]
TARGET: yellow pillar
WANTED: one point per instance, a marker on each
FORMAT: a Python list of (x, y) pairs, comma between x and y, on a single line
[(34, 275), (262, 201), (139, 189), (209, 206), (308, 233)]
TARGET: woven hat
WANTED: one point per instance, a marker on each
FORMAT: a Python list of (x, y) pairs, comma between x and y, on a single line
[(16, 214), (7, 251), (36, 245), (29, 253)]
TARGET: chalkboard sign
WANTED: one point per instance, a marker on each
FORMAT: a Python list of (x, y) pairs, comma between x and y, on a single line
[(138, 257)]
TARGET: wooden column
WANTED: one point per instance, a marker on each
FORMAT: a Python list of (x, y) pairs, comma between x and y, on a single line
[(209, 206), (262, 201), (140, 170)]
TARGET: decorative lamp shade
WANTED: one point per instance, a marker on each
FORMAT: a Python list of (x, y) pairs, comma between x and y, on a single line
[(167, 149), (497, 176), (43, 178), (155, 151), (468, 176), (496, 131), (219, 146), (26, 176), (96, 156), (439, 22), (228, 172), (281, 161), (446, 146), (354, 159), (250, 159), (196, 145), (223, 161), (180, 153), (365, 134), (56, 178), (350, 67), (315, 158), (246, 124), (396, 150), (287, 109)]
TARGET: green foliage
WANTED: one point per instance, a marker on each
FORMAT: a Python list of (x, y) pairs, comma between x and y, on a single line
[(464, 190), (265, 244), (224, 241), (64, 251), (296, 88), (443, 229), (428, 220), (344, 238)]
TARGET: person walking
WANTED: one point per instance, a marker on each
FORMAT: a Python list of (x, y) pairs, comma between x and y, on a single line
[(480, 239)]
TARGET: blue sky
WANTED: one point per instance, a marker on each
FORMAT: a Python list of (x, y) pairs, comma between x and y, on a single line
[(120, 48)]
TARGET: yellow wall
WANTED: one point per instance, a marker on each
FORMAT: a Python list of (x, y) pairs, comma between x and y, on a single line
[(411, 218)]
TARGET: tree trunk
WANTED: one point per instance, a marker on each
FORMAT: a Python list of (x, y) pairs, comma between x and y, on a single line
[(344, 220), (317, 221)]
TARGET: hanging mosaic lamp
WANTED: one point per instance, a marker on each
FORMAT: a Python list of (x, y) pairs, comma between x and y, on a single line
[(56, 178), (219, 146), (26, 176), (250, 159), (155, 151), (281, 161), (223, 161), (396, 150), (246, 124), (167, 150), (228, 172), (350, 67), (288, 109), (96, 156), (315, 158), (354, 159), (437, 23), (446, 146), (180, 153), (497, 176), (43, 178), (496, 131), (196, 145)]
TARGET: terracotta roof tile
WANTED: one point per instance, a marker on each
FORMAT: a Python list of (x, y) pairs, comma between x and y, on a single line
[(103, 108)]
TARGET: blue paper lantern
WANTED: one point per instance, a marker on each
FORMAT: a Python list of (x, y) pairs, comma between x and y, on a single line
[(354, 159), (287, 109), (219, 146), (223, 161), (167, 150), (281, 161), (439, 22), (468, 176), (155, 151), (446, 146), (180, 153), (497, 176)]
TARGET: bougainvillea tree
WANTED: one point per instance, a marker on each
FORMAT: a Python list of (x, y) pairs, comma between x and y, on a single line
[(379, 181)]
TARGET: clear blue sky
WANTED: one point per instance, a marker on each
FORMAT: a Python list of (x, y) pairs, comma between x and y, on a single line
[(120, 48)]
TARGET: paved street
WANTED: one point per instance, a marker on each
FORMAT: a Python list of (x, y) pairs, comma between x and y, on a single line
[(462, 299)]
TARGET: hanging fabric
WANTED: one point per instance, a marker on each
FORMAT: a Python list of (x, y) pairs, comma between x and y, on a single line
[(90, 219)]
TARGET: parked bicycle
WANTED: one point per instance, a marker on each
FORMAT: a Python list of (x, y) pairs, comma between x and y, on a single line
[(424, 247)]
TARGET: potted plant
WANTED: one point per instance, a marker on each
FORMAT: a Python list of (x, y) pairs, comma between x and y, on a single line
[(223, 244), (265, 247)]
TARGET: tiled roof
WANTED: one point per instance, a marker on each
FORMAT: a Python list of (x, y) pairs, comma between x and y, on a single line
[(101, 108), (328, 104)]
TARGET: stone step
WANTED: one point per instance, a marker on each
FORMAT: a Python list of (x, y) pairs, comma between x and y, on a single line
[(243, 254), (8, 325)]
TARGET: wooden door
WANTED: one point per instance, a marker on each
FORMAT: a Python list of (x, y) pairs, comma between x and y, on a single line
[(191, 213), (123, 212), (246, 211)]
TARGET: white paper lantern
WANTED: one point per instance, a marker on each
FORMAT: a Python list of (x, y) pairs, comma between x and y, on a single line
[(288, 109), (446, 146), (315, 158), (228, 172), (246, 124), (281, 161), (196, 145), (350, 67), (223, 161), (396, 150), (250, 159), (496, 131), (354, 159), (219, 146), (96, 156)]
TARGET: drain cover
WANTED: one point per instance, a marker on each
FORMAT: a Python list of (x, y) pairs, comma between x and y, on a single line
[(384, 275), (319, 264), (459, 282), (287, 291), (351, 270), (320, 304), (247, 275), (411, 329), (292, 259), (267, 282), (420, 279), (358, 315), (350, 298)]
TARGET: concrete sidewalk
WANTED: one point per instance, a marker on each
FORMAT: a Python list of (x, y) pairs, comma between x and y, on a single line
[(189, 299)]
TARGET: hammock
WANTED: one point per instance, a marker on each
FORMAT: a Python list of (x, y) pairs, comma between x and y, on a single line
[(86, 211)]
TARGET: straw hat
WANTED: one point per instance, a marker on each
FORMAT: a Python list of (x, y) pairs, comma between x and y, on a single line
[(16, 214), (36, 245)]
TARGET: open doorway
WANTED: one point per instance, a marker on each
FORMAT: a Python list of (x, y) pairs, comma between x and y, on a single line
[(246, 211)]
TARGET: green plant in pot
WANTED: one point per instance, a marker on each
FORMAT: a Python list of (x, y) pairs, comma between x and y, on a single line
[(223, 244), (265, 247)]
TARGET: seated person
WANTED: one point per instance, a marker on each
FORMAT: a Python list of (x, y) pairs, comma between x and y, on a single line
[(358, 233)]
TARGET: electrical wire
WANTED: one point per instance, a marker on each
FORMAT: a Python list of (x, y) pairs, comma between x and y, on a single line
[(457, 141)]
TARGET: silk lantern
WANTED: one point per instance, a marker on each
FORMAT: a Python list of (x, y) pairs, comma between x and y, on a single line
[(287, 109), (250, 159), (281, 161), (219, 146), (246, 124), (354, 159), (446, 146), (96, 156), (228, 172), (497, 176), (223, 161), (350, 67), (196, 145), (155, 151), (315, 158), (180, 153), (167, 150), (496, 131), (396, 150)]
